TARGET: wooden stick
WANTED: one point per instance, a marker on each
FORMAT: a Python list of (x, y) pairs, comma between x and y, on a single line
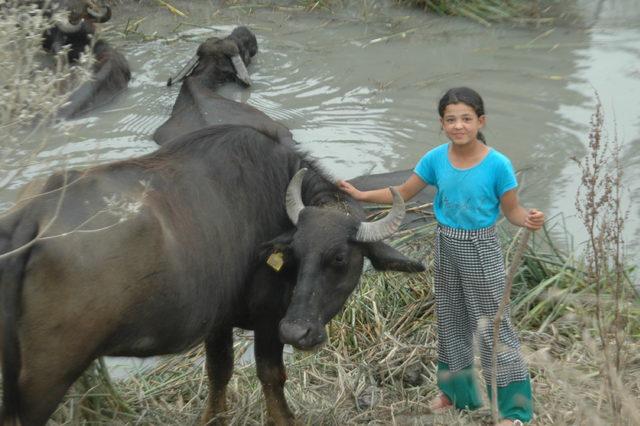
[(513, 268)]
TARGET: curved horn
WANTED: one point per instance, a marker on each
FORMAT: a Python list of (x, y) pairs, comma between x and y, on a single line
[(241, 70), (293, 198), (99, 15), (375, 231), (185, 72), (68, 27)]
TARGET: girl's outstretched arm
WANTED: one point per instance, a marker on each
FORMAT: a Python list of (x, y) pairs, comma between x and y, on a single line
[(532, 219), (407, 190)]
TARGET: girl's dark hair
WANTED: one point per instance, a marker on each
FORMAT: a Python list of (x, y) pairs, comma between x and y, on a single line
[(465, 96)]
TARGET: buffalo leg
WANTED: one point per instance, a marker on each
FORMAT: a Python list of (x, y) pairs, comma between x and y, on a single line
[(43, 384), (219, 347), (271, 372)]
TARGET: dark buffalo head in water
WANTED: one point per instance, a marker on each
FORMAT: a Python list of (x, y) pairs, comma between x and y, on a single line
[(76, 30), (199, 105), (328, 249), (222, 60)]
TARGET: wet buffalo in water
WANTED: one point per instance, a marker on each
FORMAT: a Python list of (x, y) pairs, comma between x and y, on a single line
[(155, 254), (111, 76), (216, 62), (111, 72), (220, 61), (77, 30)]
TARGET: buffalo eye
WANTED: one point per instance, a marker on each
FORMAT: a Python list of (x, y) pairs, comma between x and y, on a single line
[(339, 259), (336, 258)]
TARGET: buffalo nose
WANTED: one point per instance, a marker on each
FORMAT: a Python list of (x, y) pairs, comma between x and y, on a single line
[(293, 332)]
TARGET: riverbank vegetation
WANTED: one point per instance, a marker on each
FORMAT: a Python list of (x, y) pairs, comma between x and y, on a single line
[(486, 12)]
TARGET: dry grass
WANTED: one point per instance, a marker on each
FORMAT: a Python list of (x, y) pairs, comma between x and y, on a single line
[(486, 12), (36, 84), (489, 11)]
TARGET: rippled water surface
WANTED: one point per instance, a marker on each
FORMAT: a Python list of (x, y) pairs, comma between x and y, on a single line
[(359, 88)]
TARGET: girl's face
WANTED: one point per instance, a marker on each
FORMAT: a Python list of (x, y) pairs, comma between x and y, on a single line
[(461, 124)]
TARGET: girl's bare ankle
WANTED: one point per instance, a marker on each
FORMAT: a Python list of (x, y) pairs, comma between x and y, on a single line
[(440, 403)]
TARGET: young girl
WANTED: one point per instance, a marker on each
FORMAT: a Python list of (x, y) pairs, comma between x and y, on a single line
[(473, 182)]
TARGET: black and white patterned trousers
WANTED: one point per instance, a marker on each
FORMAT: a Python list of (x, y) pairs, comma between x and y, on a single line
[(469, 283)]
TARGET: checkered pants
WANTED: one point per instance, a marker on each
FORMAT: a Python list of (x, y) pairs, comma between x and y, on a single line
[(469, 283)]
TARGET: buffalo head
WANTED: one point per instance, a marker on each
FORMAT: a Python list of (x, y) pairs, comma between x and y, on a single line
[(77, 28), (221, 60), (328, 248)]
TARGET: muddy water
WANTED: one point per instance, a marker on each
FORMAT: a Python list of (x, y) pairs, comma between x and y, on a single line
[(358, 88)]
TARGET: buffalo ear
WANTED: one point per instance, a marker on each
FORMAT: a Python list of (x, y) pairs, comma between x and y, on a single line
[(277, 253), (383, 257)]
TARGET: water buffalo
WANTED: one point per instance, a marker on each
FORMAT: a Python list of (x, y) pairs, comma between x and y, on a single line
[(419, 211), (111, 75), (77, 30), (217, 61), (111, 72), (155, 254)]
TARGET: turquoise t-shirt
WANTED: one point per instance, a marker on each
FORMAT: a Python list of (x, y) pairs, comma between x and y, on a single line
[(467, 198)]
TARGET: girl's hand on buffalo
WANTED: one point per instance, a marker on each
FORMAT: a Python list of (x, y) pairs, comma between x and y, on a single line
[(345, 186)]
